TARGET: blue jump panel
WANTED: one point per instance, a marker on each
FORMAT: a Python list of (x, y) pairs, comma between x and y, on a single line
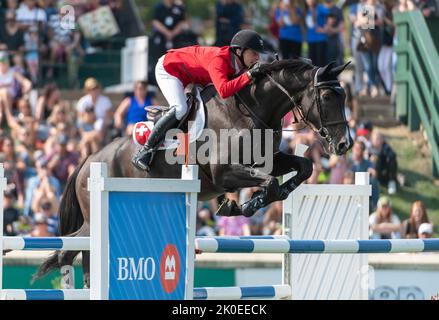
[(147, 233)]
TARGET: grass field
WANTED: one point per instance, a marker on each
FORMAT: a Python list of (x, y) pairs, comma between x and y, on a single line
[(416, 168)]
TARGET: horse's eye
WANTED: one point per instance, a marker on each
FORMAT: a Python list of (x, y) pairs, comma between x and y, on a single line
[(326, 97)]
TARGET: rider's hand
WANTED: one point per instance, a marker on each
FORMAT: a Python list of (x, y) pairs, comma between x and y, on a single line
[(255, 71)]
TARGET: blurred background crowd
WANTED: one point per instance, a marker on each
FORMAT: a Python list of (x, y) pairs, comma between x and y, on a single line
[(45, 134)]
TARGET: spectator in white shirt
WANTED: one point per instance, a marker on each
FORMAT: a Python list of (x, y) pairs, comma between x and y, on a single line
[(28, 14), (94, 99)]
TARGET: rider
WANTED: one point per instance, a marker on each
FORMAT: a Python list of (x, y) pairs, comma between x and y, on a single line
[(200, 65)]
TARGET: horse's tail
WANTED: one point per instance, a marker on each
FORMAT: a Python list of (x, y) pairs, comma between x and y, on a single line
[(71, 220), (70, 213)]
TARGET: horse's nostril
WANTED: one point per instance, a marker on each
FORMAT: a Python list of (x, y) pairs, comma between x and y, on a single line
[(341, 146)]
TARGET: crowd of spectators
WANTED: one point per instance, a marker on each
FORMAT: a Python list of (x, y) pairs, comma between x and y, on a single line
[(369, 34), (35, 33), (41, 145), (42, 140)]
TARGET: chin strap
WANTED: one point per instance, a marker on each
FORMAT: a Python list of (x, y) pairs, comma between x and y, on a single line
[(240, 57)]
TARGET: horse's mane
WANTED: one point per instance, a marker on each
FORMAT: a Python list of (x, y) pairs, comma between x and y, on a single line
[(296, 65)]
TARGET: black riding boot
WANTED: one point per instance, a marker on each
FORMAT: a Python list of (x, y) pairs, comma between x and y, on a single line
[(143, 158)]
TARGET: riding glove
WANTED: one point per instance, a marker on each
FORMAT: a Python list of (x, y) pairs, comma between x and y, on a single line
[(255, 71)]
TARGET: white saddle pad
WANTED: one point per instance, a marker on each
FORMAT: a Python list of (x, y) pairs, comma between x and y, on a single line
[(143, 129)]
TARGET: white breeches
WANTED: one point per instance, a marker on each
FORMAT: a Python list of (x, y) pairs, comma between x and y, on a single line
[(172, 88)]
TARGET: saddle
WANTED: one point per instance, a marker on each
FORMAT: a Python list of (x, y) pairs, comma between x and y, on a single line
[(197, 98), (193, 103)]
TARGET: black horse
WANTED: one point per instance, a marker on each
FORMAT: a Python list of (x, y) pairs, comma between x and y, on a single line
[(313, 93)]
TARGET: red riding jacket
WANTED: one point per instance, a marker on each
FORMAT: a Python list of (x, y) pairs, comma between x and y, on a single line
[(204, 65)]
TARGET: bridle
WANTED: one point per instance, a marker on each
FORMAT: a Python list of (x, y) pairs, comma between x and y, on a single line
[(323, 131)]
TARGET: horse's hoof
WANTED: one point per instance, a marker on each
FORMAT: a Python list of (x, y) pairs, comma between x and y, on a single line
[(248, 210), (229, 209)]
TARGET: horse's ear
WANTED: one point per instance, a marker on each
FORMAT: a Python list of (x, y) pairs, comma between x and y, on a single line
[(337, 70), (325, 72)]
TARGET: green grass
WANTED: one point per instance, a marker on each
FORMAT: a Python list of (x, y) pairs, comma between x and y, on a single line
[(417, 169)]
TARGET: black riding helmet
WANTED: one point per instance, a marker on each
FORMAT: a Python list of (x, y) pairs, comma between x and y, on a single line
[(247, 39)]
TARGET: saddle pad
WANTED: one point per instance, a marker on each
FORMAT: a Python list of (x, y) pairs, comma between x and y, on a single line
[(142, 130)]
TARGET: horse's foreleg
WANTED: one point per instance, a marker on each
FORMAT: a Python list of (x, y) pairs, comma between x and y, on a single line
[(260, 199), (285, 163)]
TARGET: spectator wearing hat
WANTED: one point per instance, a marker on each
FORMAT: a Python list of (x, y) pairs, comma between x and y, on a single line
[(45, 211), (363, 134), (91, 135), (62, 162), (384, 159), (425, 231), (43, 177), (132, 109), (10, 214), (95, 99), (418, 216), (383, 224)]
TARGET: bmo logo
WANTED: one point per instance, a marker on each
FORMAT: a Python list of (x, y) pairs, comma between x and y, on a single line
[(170, 268), (145, 269), (135, 269)]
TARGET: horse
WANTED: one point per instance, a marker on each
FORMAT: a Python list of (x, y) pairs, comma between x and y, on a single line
[(314, 93)]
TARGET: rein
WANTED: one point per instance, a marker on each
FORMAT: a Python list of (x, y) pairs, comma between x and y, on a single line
[(323, 130)]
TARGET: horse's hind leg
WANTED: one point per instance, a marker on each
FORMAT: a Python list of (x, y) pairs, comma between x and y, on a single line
[(86, 268), (240, 176), (85, 232), (65, 260)]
